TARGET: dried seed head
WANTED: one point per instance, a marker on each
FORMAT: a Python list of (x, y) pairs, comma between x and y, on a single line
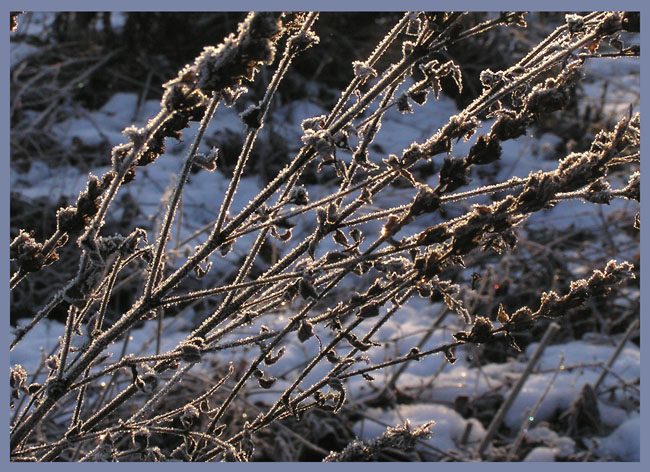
[(414, 353), (486, 150), (369, 311), (140, 438), (305, 331), (599, 192), (490, 79), (252, 116), (299, 196), (358, 343), (148, 381), (189, 416), (545, 100), (610, 25), (191, 350), (136, 135), (207, 161), (550, 305), (508, 126), (239, 57), (271, 359), (521, 320), (453, 175), (362, 70), (307, 289), (433, 235), (314, 123), (322, 142), (331, 356), (266, 382), (225, 248), (52, 362), (356, 235), (302, 41), (575, 23), (481, 331), (426, 201), (55, 387), (403, 105), (17, 376)]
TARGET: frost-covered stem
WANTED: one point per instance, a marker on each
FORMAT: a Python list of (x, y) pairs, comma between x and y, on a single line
[(285, 62), (117, 266), (291, 325), (377, 215), (234, 181), (21, 431), (51, 242), (22, 331), (65, 347), (231, 306), (370, 132), (408, 284), (431, 48), (20, 275), (76, 414), (176, 195), (178, 375), (216, 239), (273, 412), (160, 317), (124, 395), (98, 345), (245, 267), (619, 348), (298, 251), (172, 413), (282, 264), (121, 170), (335, 340), (376, 54), (514, 182), (268, 348), (489, 96), (251, 226), (304, 155), (21, 412), (124, 362), (400, 360), (16, 278), (374, 92), (228, 288), (305, 208), (550, 38), (584, 194), (393, 74), (498, 418)]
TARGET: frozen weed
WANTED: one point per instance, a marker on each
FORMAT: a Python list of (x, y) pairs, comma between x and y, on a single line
[(129, 420)]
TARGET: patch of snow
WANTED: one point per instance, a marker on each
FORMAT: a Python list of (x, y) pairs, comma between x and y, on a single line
[(542, 454), (625, 442)]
